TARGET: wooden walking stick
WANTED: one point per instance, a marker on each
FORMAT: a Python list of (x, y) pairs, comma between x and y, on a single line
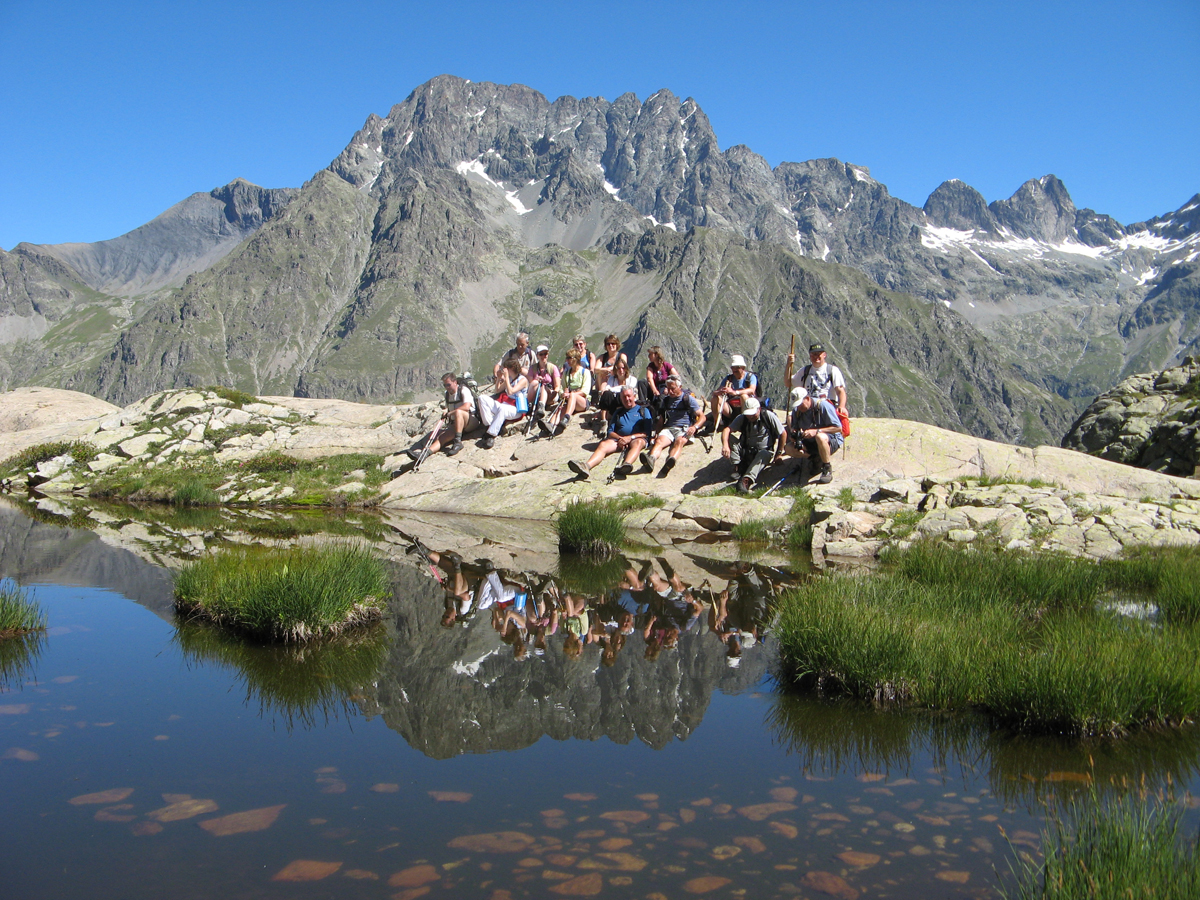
[(787, 376)]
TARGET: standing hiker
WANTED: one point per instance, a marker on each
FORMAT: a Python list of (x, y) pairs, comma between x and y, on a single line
[(821, 379)]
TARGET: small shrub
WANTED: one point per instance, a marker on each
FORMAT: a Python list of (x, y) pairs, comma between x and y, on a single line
[(18, 614), (32, 457), (845, 499), (594, 528), (289, 595), (234, 396), (274, 462)]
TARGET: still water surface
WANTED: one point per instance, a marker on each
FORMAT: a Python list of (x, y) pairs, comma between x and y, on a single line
[(143, 759)]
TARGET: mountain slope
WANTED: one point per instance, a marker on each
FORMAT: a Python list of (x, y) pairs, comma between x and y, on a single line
[(474, 210)]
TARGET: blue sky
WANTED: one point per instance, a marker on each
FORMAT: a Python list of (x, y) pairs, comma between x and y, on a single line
[(112, 112)]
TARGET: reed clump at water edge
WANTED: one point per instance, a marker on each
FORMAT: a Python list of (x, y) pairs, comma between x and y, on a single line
[(1128, 848), (593, 528), (285, 595), (1038, 642), (19, 614)]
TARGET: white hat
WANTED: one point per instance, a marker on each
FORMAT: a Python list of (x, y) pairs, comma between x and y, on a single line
[(542, 348), (736, 360), (750, 406), (798, 395)]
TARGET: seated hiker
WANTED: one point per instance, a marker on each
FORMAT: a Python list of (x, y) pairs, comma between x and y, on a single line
[(602, 364), (609, 401), (579, 345), (629, 432), (814, 432), (577, 387), (653, 389), (821, 378), (681, 419), (460, 417), (727, 399), (495, 411), (758, 434), (521, 353), (545, 381)]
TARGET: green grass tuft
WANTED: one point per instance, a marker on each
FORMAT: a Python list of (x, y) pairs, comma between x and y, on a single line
[(274, 462), (593, 528), (1028, 639), (1126, 848), (633, 502), (288, 595), (845, 499), (194, 492), (18, 613)]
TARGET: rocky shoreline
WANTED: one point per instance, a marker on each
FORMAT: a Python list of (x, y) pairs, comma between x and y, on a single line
[(896, 481)]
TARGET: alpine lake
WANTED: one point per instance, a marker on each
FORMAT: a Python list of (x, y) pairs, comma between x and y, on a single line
[(449, 752)]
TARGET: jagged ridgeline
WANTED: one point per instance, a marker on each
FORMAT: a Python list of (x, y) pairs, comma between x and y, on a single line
[(475, 210)]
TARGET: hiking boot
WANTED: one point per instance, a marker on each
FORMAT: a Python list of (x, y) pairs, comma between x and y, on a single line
[(543, 427), (667, 466), (454, 559), (578, 468), (746, 485), (826, 474), (623, 469), (646, 461), (488, 442), (413, 453), (562, 426), (454, 448)]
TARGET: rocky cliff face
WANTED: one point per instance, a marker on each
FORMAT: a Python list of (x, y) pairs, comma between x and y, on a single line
[(1150, 420), (474, 210)]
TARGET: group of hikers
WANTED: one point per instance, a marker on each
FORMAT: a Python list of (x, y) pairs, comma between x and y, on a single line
[(643, 419), (649, 602)]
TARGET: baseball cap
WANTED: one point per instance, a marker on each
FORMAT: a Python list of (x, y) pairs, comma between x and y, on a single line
[(750, 406), (816, 348), (542, 348), (798, 395)]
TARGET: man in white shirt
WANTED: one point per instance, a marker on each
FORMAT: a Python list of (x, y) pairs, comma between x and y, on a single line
[(821, 379)]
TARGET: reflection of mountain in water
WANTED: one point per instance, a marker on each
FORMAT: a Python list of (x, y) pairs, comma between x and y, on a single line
[(32, 551), (459, 690)]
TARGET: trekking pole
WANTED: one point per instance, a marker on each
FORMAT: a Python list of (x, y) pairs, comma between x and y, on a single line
[(433, 435), (787, 376), (788, 474)]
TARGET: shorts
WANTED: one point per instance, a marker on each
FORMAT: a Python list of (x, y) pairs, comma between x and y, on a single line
[(676, 433), (810, 445)]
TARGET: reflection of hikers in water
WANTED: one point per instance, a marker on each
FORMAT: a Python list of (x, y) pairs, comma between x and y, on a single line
[(740, 611), (577, 625)]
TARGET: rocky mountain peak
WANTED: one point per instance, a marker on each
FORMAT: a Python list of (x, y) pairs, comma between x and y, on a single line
[(1040, 209), (955, 204)]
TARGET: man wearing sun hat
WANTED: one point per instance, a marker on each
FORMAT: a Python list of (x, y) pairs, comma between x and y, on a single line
[(733, 390), (814, 432)]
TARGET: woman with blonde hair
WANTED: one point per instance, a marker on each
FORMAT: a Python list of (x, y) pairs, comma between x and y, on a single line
[(577, 387)]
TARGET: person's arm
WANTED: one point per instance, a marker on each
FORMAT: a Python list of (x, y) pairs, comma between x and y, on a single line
[(650, 382), (841, 395)]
